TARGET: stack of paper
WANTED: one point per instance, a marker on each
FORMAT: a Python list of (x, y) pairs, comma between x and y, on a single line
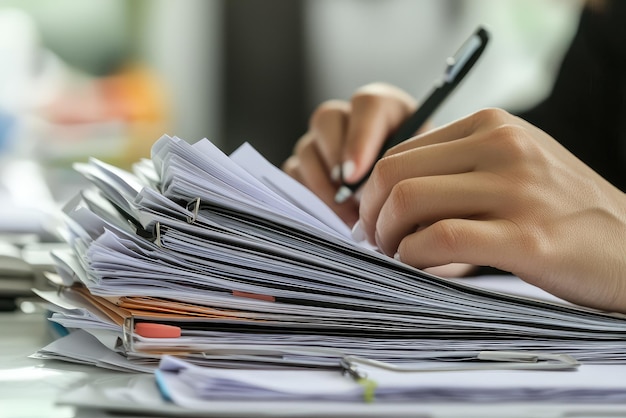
[(225, 260), (196, 387), (498, 394)]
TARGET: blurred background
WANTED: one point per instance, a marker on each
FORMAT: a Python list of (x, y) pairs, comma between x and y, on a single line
[(106, 78)]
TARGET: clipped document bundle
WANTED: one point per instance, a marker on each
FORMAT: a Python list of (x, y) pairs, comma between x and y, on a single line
[(227, 261)]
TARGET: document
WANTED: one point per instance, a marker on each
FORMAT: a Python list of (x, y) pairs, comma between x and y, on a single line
[(195, 387), (591, 391), (231, 263)]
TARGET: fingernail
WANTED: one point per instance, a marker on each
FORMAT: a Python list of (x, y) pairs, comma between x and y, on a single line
[(347, 169), (396, 256), (335, 173), (358, 234)]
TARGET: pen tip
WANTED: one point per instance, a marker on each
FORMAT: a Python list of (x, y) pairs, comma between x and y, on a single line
[(343, 194)]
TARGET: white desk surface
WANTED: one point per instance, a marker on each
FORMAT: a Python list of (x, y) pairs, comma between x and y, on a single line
[(30, 387)]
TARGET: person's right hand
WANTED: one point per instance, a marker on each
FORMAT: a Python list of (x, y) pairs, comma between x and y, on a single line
[(344, 138), (491, 189)]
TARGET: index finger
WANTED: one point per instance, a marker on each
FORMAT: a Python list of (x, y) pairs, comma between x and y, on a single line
[(451, 149), (377, 110), (479, 121), (328, 124)]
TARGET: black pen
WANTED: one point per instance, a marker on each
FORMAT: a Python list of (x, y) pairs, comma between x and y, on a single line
[(457, 67)]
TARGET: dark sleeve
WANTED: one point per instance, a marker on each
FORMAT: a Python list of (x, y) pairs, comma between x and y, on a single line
[(586, 109)]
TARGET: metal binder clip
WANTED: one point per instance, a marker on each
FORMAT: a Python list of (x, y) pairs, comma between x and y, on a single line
[(350, 370), (193, 207), (127, 333), (484, 360), (157, 232)]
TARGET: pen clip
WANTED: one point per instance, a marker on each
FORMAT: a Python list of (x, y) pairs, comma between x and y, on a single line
[(461, 62)]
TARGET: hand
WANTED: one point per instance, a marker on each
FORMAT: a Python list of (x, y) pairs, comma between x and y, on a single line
[(348, 135), (492, 189)]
